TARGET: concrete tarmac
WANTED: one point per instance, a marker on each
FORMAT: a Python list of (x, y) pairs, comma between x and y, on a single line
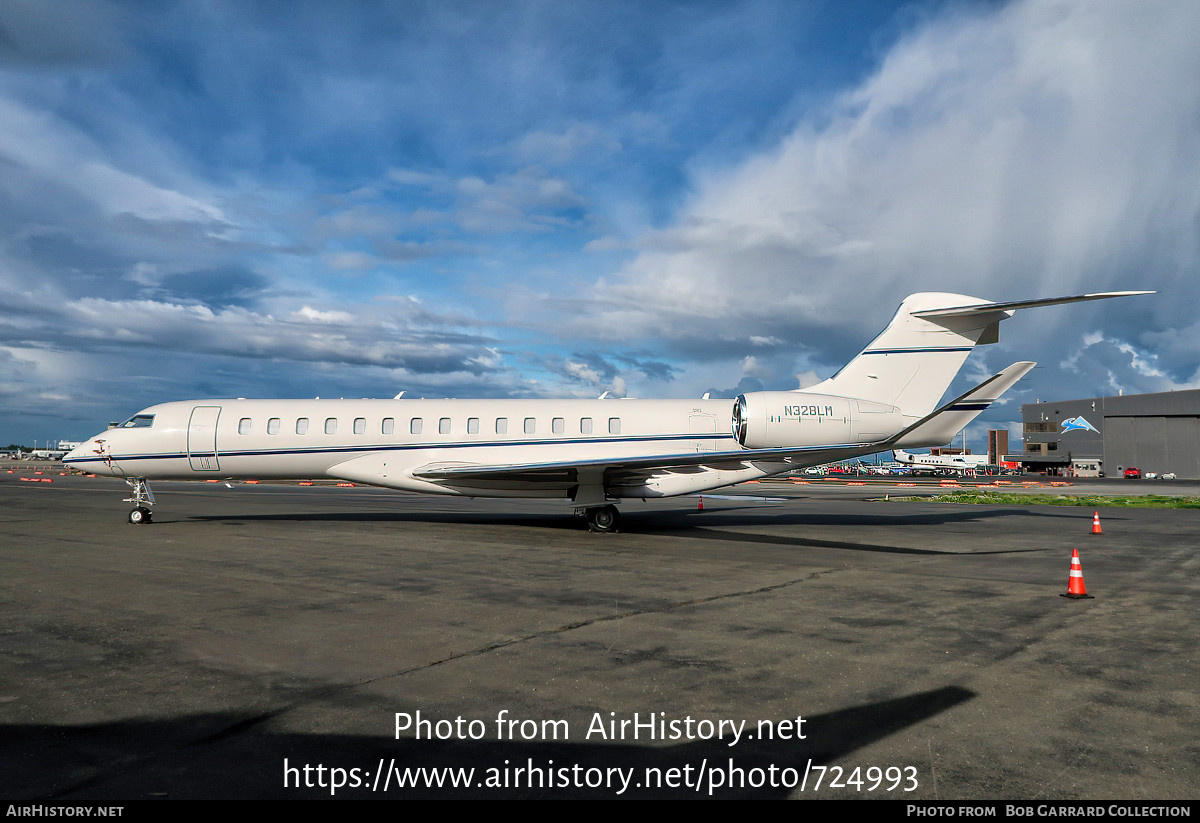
[(260, 642)]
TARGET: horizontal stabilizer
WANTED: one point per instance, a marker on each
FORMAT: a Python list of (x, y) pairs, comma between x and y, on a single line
[(988, 308), (941, 426)]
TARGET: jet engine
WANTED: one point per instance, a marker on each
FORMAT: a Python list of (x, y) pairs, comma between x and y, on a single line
[(785, 419)]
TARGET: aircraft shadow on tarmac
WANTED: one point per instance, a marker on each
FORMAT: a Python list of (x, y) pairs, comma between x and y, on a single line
[(224, 756), (822, 543), (718, 523), (714, 524), (647, 522)]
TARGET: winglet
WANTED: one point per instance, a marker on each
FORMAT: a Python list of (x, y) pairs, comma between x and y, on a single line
[(940, 427)]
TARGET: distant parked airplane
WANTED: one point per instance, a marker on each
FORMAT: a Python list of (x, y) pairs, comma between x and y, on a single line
[(957, 462), (587, 453)]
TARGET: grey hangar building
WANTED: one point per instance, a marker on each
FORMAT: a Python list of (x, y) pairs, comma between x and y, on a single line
[(1105, 435)]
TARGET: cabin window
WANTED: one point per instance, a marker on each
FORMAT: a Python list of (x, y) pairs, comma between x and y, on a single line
[(273, 426), (558, 425), (585, 425), (139, 421), (444, 425), (614, 425), (331, 425), (360, 425), (415, 426), (472, 425), (530, 425), (302, 426), (389, 425), (501, 425), (244, 425)]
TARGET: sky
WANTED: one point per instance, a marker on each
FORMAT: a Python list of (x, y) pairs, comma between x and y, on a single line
[(557, 199)]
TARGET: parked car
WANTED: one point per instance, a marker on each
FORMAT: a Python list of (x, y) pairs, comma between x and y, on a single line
[(1133, 473), (1167, 476)]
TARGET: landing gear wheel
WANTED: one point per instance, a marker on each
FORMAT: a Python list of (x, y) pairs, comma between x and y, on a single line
[(603, 518), (141, 498)]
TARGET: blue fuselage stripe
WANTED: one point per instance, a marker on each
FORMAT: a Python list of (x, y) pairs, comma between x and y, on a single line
[(919, 351), (404, 447)]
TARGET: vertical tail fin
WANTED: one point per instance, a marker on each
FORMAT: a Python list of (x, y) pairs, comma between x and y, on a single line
[(912, 362)]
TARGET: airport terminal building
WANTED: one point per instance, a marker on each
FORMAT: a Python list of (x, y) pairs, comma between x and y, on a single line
[(1155, 432)]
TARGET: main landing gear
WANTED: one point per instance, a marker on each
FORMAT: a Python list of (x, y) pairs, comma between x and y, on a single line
[(603, 519), (142, 499)]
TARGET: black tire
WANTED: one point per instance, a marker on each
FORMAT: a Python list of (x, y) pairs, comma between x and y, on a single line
[(139, 516), (603, 519)]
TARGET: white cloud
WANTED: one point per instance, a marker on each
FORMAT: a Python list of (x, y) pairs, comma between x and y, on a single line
[(117, 192), (806, 379), (1035, 149), (752, 368), (308, 313), (58, 154), (1123, 362), (582, 371), (416, 343)]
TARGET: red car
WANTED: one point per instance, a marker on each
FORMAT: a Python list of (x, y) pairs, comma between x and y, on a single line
[(1133, 473)]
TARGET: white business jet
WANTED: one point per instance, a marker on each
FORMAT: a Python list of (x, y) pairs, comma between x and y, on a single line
[(956, 462), (587, 453)]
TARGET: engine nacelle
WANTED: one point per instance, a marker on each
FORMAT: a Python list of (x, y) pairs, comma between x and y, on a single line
[(785, 419)]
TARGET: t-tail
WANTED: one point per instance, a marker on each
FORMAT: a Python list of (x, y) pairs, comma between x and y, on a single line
[(888, 395), (912, 362)]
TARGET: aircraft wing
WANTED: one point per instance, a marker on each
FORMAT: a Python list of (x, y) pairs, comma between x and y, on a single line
[(934, 429), (629, 467)]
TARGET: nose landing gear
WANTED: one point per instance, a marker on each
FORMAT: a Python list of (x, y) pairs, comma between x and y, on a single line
[(142, 499)]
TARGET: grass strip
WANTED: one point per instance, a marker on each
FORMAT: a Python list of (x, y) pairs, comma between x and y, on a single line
[(1090, 501)]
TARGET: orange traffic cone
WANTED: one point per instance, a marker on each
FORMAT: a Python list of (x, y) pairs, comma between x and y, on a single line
[(1096, 524), (1075, 588), (700, 508)]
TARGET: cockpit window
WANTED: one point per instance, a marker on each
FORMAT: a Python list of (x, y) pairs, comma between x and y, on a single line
[(139, 421)]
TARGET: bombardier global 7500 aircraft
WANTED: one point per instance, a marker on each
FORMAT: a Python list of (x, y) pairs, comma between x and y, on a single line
[(587, 453)]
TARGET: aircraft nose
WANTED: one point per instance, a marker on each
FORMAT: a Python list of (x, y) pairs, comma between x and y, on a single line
[(79, 451), (88, 449)]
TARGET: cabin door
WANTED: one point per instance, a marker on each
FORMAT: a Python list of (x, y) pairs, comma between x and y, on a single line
[(202, 438)]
